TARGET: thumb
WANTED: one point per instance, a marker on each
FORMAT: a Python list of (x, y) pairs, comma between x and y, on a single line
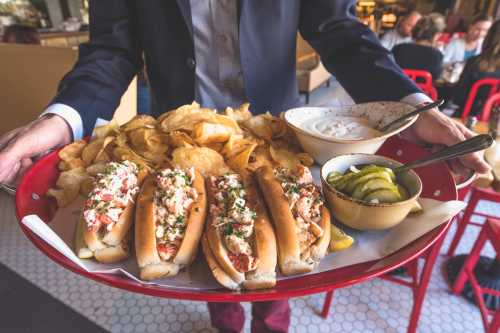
[(38, 137)]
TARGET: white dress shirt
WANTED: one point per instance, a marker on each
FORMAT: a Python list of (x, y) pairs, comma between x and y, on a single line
[(393, 38)]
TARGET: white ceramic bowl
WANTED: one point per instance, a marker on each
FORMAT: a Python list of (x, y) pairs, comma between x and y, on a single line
[(363, 215), (323, 148)]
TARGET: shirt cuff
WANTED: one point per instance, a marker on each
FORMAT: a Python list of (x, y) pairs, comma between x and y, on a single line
[(71, 116), (417, 99)]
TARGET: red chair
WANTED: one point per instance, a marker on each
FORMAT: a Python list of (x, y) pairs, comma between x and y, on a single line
[(491, 232), (494, 85), (418, 283), (424, 80), (477, 194), (444, 37), (490, 103)]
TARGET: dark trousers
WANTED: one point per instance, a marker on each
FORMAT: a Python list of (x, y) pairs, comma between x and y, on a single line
[(273, 316)]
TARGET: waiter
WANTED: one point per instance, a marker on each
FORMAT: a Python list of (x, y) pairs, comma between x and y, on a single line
[(220, 53)]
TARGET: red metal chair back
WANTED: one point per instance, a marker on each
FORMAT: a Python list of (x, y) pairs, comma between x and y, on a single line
[(493, 101), (424, 80), (444, 38), (494, 85)]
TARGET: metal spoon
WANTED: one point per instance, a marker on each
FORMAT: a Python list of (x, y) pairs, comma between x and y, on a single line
[(479, 142), (426, 107)]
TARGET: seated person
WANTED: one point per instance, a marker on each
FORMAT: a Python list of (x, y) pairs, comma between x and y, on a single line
[(402, 32), (21, 34), (485, 65), (462, 49), (422, 55)]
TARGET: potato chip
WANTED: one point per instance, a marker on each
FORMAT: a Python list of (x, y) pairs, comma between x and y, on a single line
[(237, 143), (266, 126), (110, 129), (284, 157), (127, 154), (186, 118), (71, 178), (205, 160), (260, 126), (305, 159), (179, 139), (74, 163), (68, 186), (91, 150), (86, 186), (140, 121), (240, 162), (121, 139), (240, 114), (260, 157), (205, 132), (148, 141), (94, 169), (96, 148), (102, 156), (62, 166), (73, 150), (154, 157), (182, 109), (63, 197)]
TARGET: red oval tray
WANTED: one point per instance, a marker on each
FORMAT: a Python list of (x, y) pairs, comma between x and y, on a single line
[(30, 199)]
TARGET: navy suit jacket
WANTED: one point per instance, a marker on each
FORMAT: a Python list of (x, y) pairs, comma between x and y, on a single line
[(124, 32)]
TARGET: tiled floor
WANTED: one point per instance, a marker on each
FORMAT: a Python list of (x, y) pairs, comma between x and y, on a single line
[(374, 306)]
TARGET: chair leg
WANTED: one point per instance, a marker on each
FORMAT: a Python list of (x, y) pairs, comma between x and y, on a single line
[(327, 304), (462, 223), (421, 290), (495, 324), (470, 262), (307, 97)]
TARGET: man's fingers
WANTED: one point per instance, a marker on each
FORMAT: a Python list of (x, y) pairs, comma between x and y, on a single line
[(465, 131), (10, 175), (475, 161), (26, 163)]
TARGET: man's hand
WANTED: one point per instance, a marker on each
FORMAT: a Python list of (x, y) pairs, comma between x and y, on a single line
[(18, 147), (433, 127)]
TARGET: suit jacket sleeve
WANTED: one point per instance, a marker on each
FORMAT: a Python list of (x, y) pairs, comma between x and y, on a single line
[(106, 64), (352, 52)]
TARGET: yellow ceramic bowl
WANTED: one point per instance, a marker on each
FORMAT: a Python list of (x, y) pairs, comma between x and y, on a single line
[(362, 215)]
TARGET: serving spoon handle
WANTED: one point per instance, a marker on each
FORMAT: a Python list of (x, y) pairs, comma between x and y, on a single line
[(479, 142), (426, 107)]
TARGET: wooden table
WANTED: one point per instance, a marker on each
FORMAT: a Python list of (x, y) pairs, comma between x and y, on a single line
[(492, 156)]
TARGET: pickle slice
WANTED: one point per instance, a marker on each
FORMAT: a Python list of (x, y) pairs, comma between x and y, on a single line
[(364, 178), (383, 196), (333, 177), (372, 185)]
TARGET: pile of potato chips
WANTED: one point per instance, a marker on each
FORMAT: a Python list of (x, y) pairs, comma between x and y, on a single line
[(190, 136)]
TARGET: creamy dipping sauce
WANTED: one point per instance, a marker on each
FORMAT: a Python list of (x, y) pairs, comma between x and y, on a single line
[(341, 128)]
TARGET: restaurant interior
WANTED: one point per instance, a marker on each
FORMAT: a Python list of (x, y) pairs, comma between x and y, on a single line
[(440, 276)]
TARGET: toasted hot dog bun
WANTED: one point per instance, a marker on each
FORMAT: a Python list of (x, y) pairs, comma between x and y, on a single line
[(111, 247), (220, 275), (263, 244), (151, 265), (284, 223)]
